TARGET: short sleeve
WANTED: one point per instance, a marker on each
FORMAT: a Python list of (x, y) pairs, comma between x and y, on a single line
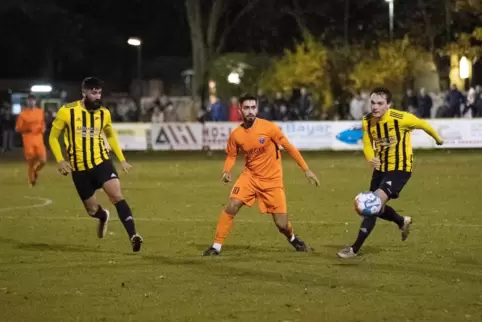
[(62, 119), (277, 135)]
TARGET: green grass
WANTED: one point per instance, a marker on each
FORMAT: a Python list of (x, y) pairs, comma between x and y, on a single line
[(53, 268)]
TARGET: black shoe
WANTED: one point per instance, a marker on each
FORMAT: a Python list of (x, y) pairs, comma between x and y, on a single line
[(136, 241), (211, 251), (300, 245)]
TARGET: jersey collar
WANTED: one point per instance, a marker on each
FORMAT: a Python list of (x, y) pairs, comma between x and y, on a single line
[(385, 116), (253, 126)]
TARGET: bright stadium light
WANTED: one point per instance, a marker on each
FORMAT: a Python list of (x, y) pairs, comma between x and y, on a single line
[(133, 41), (233, 78), (41, 89), (390, 16), (464, 68)]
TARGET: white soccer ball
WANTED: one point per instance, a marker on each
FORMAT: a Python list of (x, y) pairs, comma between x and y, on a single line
[(368, 204)]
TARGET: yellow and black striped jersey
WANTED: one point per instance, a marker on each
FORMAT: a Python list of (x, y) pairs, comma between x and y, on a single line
[(83, 134), (388, 138)]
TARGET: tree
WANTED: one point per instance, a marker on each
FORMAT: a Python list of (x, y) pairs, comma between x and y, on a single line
[(207, 39), (304, 66), (473, 5), (391, 64), (466, 44)]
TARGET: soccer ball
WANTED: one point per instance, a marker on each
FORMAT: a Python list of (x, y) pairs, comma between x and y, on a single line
[(368, 204)]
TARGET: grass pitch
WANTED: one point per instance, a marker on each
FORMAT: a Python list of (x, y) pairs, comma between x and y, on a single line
[(53, 268)]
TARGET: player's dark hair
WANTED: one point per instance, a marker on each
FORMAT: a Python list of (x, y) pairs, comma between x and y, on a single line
[(382, 91), (31, 97), (247, 97), (92, 82)]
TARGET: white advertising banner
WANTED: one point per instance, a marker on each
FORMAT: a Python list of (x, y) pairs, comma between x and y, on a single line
[(421, 140), (461, 133), (308, 135), (216, 134), (347, 135), (131, 136), (176, 136), (327, 135)]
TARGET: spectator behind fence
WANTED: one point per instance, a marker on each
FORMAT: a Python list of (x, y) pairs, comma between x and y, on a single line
[(262, 100), (217, 110), (266, 113), (305, 104), (279, 107), (478, 105), (7, 121), (424, 104), (409, 102), (234, 115), (470, 104), (157, 115), (357, 107), (170, 113), (454, 100)]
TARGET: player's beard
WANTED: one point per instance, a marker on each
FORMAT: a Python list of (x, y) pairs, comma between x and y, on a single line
[(249, 120), (92, 104)]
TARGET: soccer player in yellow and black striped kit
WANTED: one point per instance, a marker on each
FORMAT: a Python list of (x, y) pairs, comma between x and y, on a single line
[(392, 159), (84, 122)]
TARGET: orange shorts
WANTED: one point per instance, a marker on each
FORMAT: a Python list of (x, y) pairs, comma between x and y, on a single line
[(271, 197), (35, 151)]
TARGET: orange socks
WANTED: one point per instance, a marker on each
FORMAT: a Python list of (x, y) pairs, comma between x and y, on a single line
[(31, 172), (225, 222)]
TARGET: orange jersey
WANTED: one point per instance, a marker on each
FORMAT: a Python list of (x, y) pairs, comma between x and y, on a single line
[(260, 143), (31, 123)]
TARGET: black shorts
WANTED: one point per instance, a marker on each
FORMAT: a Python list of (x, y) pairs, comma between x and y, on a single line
[(391, 182), (87, 182)]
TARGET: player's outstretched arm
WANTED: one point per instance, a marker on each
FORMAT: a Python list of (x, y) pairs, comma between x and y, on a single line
[(231, 153), (57, 127), (279, 138), (416, 123)]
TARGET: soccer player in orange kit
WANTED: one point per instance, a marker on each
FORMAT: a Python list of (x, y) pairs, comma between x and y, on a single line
[(262, 176), (31, 123)]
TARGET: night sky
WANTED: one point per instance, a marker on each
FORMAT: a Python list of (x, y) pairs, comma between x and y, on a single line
[(69, 39)]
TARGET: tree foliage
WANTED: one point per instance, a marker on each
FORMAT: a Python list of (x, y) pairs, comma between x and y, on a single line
[(389, 64), (466, 44), (305, 65)]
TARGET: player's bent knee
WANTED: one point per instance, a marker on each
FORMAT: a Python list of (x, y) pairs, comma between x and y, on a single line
[(384, 197), (113, 190), (233, 206)]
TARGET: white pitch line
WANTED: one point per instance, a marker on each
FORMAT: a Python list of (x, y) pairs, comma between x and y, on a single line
[(45, 203)]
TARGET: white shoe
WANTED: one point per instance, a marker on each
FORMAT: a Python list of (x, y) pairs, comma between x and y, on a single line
[(102, 225), (346, 253), (407, 222)]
